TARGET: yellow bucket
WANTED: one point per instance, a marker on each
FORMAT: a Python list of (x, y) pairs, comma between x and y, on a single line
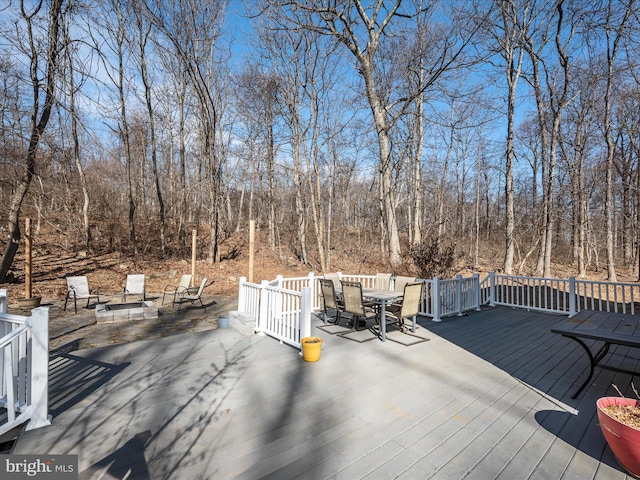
[(311, 348)]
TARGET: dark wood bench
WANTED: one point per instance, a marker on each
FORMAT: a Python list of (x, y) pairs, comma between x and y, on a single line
[(609, 328)]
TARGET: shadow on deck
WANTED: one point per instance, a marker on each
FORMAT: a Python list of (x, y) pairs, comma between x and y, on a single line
[(487, 397), (520, 343)]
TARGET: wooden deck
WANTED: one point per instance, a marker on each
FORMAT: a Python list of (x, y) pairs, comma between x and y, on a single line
[(487, 397)]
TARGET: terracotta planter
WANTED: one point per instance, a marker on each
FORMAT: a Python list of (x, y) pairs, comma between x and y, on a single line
[(623, 440), (311, 347)]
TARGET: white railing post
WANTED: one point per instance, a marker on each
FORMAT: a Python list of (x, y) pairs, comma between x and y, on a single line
[(492, 289), (572, 296), (279, 281), (242, 294), (4, 300), (306, 306), (476, 290), (435, 299), (459, 294), (39, 381), (312, 284), (263, 313)]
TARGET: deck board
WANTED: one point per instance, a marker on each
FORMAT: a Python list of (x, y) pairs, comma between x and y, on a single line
[(488, 396)]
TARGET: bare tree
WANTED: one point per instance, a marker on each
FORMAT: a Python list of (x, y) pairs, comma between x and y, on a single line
[(631, 122), (143, 29), (301, 62), (259, 106), (577, 138), (72, 68), (111, 40), (616, 21), (508, 33), (175, 107), (550, 108), (361, 28), (40, 109), (193, 28)]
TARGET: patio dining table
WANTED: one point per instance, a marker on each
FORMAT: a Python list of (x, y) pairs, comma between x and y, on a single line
[(381, 297), (607, 327)]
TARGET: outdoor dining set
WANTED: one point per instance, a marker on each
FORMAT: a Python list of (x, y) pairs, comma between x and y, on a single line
[(391, 302)]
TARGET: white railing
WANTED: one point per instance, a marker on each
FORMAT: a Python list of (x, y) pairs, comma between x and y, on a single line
[(311, 281), (452, 296), (249, 297), (565, 296), (279, 312), (282, 307), (532, 293), (367, 281), (605, 296), (24, 367)]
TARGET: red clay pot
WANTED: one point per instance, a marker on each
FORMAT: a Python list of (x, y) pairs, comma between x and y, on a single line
[(623, 440)]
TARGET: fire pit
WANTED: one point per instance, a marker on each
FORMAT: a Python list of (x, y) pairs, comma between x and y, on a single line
[(119, 312)]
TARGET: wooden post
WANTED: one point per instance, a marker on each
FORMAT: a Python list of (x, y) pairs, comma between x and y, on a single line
[(252, 228), (27, 256), (194, 242)]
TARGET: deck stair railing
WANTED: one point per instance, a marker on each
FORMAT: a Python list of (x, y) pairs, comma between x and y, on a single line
[(24, 368), (281, 313)]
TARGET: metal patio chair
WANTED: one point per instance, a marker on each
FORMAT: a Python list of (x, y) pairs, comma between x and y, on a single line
[(355, 306), (409, 307), (399, 282), (182, 287), (134, 286), (184, 297), (332, 305), (382, 281), (78, 289)]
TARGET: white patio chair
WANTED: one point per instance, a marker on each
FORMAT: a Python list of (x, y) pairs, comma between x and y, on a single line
[(134, 286), (183, 286), (184, 297), (78, 289)]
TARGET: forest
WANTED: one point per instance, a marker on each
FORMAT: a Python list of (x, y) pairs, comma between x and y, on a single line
[(433, 134)]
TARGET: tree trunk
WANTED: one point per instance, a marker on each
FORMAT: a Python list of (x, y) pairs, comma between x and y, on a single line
[(78, 162), (612, 50), (417, 169), (142, 41), (183, 161), (124, 127), (37, 128), (386, 173), (271, 188), (513, 74)]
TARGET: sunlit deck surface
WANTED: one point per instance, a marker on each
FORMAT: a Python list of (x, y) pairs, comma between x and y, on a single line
[(488, 396)]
